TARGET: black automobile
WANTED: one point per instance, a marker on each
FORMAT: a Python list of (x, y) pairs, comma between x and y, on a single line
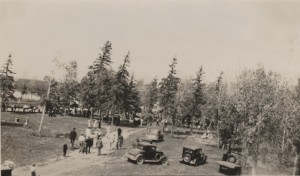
[(193, 155), (145, 152), (155, 135), (233, 162)]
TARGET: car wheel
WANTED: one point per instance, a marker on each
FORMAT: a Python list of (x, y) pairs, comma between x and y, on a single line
[(196, 163), (164, 161), (238, 171), (140, 160), (220, 169), (187, 158), (157, 156), (232, 159)]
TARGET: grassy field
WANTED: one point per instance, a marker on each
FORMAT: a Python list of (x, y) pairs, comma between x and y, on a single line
[(24, 147)]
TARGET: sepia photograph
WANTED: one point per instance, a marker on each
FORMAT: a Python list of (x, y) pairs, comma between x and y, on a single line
[(150, 87)]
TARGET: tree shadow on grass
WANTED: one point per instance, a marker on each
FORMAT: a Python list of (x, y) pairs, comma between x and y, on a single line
[(10, 124)]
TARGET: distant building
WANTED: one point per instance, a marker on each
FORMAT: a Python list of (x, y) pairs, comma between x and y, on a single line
[(29, 96)]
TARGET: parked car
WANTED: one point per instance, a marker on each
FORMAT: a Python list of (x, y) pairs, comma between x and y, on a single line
[(193, 155), (155, 135), (145, 152), (232, 163)]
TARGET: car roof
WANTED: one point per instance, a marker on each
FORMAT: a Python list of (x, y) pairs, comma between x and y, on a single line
[(193, 147), (155, 130), (146, 144)]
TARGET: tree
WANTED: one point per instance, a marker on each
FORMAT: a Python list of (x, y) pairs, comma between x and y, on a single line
[(69, 88), (293, 123), (185, 100), (133, 98), (24, 90), (168, 89), (120, 87), (256, 104), (151, 95), (7, 81), (96, 85), (198, 98)]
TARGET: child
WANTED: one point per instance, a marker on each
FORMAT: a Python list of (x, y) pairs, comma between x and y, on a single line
[(33, 171), (26, 124), (65, 148)]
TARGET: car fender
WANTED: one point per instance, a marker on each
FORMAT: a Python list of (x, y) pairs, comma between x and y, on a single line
[(163, 156), (138, 156)]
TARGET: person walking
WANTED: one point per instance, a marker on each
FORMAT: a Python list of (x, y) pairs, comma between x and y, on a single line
[(99, 145), (81, 140), (119, 131), (96, 136), (89, 144), (120, 141), (65, 148), (73, 136), (33, 170)]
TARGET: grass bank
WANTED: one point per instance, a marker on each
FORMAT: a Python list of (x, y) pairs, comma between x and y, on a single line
[(23, 146)]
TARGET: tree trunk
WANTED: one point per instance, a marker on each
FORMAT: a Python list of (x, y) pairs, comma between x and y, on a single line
[(44, 109), (172, 128), (254, 159), (283, 141), (296, 170), (254, 164)]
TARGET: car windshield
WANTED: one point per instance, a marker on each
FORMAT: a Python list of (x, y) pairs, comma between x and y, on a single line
[(149, 148), (155, 132), (140, 147)]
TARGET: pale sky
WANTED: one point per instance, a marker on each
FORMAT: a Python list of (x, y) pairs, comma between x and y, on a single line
[(223, 35)]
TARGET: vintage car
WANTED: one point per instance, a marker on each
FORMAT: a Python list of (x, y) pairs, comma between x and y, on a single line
[(155, 135), (145, 152), (193, 155), (232, 163)]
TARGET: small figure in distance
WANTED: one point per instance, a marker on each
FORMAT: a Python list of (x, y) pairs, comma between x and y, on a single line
[(17, 120), (65, 148), (73, 136), (26, 124), (99, 145), (33, 170)]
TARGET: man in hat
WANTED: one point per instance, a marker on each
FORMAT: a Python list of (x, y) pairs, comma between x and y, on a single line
[(119, 131), (73, 136), (89, 144)]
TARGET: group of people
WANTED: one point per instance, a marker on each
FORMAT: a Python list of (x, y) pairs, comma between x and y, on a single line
[(86, 141), (85, 144)]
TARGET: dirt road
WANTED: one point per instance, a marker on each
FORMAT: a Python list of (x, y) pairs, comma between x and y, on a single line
[(75, 161)]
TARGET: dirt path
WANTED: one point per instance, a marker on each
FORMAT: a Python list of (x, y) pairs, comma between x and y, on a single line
[(75, 161)]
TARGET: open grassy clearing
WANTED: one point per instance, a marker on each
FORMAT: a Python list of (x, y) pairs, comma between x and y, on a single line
[(22, 146)]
